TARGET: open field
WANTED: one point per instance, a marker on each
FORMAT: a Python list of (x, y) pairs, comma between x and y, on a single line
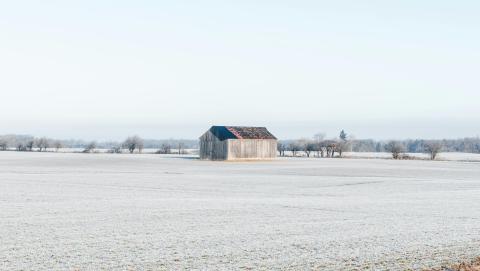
[(67, 211)]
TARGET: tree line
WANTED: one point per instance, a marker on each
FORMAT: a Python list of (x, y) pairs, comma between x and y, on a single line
[(28, 143), (131, 144), (319, 146)]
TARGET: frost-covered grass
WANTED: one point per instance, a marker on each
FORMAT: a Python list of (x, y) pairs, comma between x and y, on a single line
[(67, 211), (464, 266)]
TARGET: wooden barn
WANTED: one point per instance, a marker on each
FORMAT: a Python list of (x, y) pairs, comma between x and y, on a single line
[(237, 143)]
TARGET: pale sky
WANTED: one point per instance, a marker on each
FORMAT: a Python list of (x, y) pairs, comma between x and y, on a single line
[(160, 69)]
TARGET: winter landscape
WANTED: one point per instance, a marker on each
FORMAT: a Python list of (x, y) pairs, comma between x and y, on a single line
[(74, 211), (239, 135)]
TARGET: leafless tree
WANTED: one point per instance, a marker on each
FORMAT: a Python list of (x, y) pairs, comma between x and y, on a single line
[(342, 146), (307, 146), (132, 143), (115, 149), (3, 145), (330, 147), (165, 149), (181, 148), (432, 147), (333, 147), (42, 144), (311, 147), (294, 147), (38, 143), (140, 145), (21, 146), (396, 148), (322, 149), (58, 145), (343, 143), (30, 144), (90, 147), (281, 148), (318, 139)]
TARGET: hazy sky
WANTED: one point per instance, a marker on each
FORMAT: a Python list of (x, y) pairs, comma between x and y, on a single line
[(108, 69)]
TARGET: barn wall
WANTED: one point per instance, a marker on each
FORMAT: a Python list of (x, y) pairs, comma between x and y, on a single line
[(211, 148), (252, 149)]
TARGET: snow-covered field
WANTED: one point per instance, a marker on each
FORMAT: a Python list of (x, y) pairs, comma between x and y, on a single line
[(67, 211)]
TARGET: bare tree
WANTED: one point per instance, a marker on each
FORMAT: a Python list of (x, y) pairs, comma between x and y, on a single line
[(181, 148), (132, 143), (42, 144), (330, 147), (165, 149), (38, 143), (90, 147), (30, 144), (281, 148), (115, 149), (3, 145), (333, 148), (21, 146), (294, 148), (139, 145), (319, 144), (311, 147), (432, 147), (322, 148), (342, 146), (396, 148), (307, 146), (58, 145)]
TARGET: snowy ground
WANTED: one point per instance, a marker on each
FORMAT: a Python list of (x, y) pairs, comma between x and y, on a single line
[(67, 211)]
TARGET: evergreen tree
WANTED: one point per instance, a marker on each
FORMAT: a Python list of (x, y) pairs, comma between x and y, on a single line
[(343, 135)]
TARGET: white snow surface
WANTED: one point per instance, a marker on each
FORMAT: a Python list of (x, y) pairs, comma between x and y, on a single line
[(72, 211)]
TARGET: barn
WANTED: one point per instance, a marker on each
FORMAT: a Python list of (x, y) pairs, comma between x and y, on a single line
[(237, 143)]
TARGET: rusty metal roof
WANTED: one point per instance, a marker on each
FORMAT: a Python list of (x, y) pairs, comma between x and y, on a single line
[(241, 132)]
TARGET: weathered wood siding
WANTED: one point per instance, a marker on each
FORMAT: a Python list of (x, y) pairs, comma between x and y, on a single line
[(212, 148), (251, 149)]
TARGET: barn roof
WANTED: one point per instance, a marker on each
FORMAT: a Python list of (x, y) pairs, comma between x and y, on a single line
[(241, 132)]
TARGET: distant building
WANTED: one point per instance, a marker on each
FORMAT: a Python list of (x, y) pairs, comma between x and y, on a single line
[(237, 143)]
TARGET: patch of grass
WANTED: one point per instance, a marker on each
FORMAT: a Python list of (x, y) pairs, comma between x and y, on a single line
[(465, 266)]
